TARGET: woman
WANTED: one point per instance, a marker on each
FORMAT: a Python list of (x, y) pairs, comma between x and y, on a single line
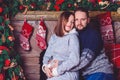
[(63, 46)]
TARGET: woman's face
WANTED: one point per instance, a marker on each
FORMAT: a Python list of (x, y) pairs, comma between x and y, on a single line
[(69, 25)]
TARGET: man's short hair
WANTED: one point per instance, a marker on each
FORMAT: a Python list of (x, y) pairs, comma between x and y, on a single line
[(83, 10)]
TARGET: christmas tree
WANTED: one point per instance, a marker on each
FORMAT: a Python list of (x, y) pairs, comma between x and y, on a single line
[(10, 62)]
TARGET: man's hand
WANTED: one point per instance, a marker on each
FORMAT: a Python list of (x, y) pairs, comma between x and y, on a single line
[(55, 65)]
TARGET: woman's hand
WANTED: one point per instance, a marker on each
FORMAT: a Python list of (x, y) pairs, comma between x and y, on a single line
[(48, 72)]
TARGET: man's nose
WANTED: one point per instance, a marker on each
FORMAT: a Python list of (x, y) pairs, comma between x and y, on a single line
[(79, 21)]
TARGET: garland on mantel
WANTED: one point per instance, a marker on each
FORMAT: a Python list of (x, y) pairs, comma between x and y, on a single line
[(9, 59), (14, 6)]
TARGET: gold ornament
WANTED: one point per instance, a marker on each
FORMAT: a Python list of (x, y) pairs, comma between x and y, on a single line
[(48, 5), (118, 10), (21, 1), (79, 0), (3, 38), (106, 3), (75, 4)]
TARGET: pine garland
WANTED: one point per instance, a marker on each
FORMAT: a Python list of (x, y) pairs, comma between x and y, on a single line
[(15, 6), (8, 8), (10, 61)]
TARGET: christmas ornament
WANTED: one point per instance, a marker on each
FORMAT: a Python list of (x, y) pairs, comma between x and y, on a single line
[(41, 35), (33, 5), (11, 38), (57, 8), (7, 62), (7, 52), (93, 2), (2, 76), (103, 4), (21, 7), (1, 9), (25, 35), (69, 5), (79, 1), (118, 10), (48, 5)]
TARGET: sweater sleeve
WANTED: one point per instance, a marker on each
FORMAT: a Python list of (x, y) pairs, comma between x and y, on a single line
[(92, 46), (74, 57), (48, 52)]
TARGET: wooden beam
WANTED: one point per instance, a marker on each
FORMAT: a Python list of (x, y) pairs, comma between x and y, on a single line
[(53, 15)]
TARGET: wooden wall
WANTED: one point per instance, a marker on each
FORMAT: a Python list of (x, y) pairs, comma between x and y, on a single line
[(31, 59)]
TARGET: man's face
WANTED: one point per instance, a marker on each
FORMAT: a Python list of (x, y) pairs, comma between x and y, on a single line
[(81, 20)]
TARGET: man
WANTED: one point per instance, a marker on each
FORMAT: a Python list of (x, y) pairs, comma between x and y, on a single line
[(94, 64)]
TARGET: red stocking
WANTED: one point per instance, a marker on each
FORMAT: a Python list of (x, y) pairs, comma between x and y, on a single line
[(41, 35), (25, 36), (106, 27)]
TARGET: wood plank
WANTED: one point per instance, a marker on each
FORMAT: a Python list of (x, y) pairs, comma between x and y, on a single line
[(53, 15)]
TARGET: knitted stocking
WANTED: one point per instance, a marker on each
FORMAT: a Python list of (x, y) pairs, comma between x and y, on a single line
[(106, 27), (25, 36), (41, 35)]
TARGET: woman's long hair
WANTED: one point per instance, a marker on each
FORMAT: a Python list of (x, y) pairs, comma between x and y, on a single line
[(62, 20)]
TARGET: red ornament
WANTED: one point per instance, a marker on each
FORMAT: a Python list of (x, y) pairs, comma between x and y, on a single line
[(21, 7), (0, 51), (7, 62), (58, 2), (1, 9), (15, 77), (99, 1), (11, 38), (33, 5), (1, 76), (94, 2), (69, 5), (57, 7)]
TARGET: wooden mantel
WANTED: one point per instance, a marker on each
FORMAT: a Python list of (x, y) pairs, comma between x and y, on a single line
[(32, 59), (53, 15)]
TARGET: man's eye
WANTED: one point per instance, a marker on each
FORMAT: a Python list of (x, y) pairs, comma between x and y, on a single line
[(76, 19), (84, 19)]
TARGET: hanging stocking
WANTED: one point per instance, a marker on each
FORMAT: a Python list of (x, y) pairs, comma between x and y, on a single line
[(106, 27), (41, 35), (25, 36)]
